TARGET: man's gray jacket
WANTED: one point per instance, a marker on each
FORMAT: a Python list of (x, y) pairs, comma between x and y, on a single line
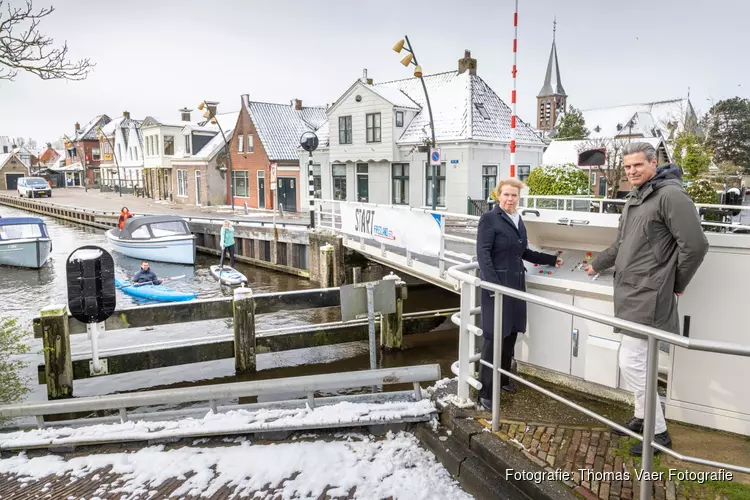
[(660, 245)]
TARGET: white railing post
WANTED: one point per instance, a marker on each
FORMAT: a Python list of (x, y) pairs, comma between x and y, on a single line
[(320, 213), (441, 251), (497, 356), (649, 416), (463, 342), (476, 295)]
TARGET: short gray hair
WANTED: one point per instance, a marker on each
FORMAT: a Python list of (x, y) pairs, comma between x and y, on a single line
[(640, 147)]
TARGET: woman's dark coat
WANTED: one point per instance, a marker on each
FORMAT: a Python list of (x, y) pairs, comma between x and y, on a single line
[(501, 250)]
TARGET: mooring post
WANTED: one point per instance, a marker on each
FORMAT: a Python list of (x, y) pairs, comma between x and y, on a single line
[(58, 363), (327, 278), (243, 308), (356, 275), (392, 325)]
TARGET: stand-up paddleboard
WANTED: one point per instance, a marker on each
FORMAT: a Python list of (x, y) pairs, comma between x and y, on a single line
[(228, 275)]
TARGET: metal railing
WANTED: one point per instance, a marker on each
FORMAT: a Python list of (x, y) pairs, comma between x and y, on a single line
[(308, 385), (463, 368)]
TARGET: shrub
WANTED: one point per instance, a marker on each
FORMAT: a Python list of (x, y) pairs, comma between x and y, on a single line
[(557, 180), (702, 191)]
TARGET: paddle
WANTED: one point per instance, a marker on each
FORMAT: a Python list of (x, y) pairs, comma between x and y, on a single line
[(147, 282)]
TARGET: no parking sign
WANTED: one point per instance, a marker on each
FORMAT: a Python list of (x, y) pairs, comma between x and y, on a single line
[(435, 156)]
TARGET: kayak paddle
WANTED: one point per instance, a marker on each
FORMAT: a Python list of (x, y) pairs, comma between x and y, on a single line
[(147, 282)]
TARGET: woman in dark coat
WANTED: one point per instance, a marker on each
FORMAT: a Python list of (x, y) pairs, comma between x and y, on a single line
[(502, 246)]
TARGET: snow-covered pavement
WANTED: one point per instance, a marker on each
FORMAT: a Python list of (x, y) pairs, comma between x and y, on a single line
[(350, 466)]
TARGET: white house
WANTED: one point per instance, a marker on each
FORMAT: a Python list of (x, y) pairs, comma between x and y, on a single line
[(123, 165), (369, 146)]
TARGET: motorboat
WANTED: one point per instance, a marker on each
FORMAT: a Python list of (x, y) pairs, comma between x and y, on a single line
[(160, 238), (24, 242)]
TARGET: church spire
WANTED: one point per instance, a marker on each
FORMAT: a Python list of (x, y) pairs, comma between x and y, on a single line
[(550, 89)]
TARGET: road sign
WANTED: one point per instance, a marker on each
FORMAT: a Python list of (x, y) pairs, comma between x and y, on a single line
[(273, 177), (454, 162), (354, 299), (435, 156)]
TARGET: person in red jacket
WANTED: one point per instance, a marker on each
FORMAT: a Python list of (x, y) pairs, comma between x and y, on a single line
[(124, 216)]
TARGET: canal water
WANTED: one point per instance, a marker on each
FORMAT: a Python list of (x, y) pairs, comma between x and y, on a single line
[(23, 292)]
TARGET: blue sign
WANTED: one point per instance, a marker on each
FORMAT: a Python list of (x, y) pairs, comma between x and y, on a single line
[(435, 156), (454, 161)]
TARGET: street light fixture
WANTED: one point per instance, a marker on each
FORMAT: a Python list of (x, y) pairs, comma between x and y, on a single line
[(101, 137), (212, 115), (411, 58)]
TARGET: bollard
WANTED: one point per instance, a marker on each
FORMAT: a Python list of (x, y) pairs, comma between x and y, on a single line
[(392, 325), (327, 278), (356, 275), (58, 364), (243, 308)]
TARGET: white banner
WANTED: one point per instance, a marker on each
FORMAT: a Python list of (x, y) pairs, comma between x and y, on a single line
[(416, 231)]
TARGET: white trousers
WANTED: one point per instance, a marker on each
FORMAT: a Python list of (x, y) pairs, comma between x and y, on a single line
[(633, 360)]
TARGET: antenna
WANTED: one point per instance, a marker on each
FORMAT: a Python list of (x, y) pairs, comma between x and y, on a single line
[(554, 28)]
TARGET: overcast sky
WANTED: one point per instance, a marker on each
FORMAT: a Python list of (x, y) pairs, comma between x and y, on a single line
[(153, 57)]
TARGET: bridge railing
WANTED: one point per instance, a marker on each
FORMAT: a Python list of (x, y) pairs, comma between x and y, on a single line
[(471, 285)]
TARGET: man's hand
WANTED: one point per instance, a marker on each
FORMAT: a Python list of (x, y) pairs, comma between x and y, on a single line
[(590, 270), (679, 293), (559, 262)]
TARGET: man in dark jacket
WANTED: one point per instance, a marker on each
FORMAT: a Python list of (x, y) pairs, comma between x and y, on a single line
[(660, 245), (145, 275)]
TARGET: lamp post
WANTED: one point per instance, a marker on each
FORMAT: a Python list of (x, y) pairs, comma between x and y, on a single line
[(411, 58), (212, 116), (117, 164)]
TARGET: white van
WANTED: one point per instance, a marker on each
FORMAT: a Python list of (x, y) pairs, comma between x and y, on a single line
[(32, 187)]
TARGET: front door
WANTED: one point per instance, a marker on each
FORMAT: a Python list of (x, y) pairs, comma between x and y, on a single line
[(602, 186), (261, 189), (11, 180), (287, 189), (198, 188)]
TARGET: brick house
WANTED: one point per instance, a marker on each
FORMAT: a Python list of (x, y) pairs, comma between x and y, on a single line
[(266, 134), (83, 149), (11, 169), (200, 173)]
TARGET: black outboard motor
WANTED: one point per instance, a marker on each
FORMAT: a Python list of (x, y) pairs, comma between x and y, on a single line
[(733, 197)]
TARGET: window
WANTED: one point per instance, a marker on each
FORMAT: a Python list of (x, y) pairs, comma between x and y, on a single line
[(241, 183), (20, 231), (148, 146), (489, 180), (345, 129), (241, 143), (187, 144), (373, 127), (182, 183), (135, 153), (399, 118), (96, 154), (317, 182), (169, 145), (174, 228), (400, 179), (141, 233), (155, 146), (339, 182), (482, 111), (250, 143), (592, 178), (440, 184), (130, 154), (119, 151), (363, 187), (523, 172)]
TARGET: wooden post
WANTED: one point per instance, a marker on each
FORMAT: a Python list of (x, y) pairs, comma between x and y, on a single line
[(327, 278), (392, 325), (58, 364), (356, 275), (243, 308)]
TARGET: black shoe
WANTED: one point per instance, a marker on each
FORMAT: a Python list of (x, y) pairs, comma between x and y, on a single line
[(634, 424), (662, 439), (509, 387), (486, 403)]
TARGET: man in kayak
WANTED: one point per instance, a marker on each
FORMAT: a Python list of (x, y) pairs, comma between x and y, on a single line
[(145, 275)]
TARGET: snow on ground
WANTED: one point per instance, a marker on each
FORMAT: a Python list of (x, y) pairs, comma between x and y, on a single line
[(394, 467), (235, 421)]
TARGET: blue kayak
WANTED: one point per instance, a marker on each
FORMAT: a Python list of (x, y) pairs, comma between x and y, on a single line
[(154, 292)]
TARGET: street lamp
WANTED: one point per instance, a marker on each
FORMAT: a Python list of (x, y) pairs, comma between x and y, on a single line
[(101, 136), (212, 115), (411, 58)]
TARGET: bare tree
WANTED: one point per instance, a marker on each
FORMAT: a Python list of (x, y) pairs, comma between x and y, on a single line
[(24, 48), (612, 170)]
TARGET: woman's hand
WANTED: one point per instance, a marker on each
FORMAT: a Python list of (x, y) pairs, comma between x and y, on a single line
[(559, 262)]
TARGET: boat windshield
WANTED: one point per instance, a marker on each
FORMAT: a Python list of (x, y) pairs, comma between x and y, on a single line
[(172, 228), (20, 231)]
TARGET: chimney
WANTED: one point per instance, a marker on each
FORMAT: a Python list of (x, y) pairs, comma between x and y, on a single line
[(297, 104), (78, 126), (185, 114), (467, 63), (126, 114)]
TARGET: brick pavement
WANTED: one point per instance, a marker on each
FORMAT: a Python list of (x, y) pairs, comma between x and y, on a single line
[(570, 448)]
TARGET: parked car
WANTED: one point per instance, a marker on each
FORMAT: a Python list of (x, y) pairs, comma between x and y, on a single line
[(32, 187)]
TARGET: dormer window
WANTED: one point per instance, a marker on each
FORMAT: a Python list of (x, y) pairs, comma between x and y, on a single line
[(482, 111), (187, 144), (399, 118)]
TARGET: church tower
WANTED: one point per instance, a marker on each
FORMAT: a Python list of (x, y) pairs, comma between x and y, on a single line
[(551, 101)]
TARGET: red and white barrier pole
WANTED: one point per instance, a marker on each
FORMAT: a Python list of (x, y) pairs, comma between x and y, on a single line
[(513, 96)]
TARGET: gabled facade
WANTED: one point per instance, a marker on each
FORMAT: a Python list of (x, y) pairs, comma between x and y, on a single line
[(123, 165), (11, 169), (370, 145), (268, 134), (83, 148), (200, 173)]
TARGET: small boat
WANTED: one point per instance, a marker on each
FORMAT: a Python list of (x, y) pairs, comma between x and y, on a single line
[(24, 242), (228, 275), (154, 292), (160, 238)]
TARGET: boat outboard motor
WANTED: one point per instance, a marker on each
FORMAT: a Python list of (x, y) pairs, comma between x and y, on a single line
[(91, 293), (733, 197)]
